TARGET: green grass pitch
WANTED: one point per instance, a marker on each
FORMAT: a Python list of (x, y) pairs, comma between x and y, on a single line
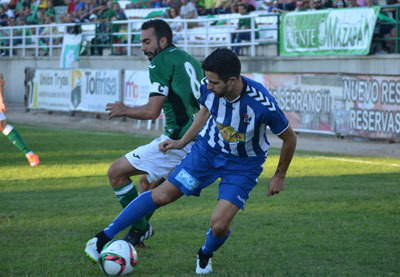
[(338, 215)]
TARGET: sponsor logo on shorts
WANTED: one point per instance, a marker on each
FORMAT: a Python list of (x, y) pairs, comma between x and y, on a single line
[(187, 180), (241, 199), (135, 155)]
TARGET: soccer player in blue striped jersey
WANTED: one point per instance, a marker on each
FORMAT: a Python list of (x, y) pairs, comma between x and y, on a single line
[(232, 144)]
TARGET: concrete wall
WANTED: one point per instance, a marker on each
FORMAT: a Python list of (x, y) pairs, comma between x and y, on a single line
[(13, 67)]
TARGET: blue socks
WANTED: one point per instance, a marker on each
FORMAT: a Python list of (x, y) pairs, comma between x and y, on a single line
[(212, 243), (138, 208)]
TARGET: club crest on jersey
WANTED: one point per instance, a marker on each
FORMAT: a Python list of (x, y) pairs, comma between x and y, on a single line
[(246, 118), (230, 134)]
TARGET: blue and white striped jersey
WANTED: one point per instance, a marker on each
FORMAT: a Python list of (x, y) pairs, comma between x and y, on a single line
[(239, 128)]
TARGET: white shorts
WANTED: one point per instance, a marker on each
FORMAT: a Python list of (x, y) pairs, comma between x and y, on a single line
[(2, 116), (148, 158)]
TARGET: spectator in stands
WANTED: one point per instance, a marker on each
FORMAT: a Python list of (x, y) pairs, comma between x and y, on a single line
[(202, 6), (175, 3), (42, 4), (25, 13), (11, 22), (45, 31), (301, 5), (92, 8), (50, 11), (277, 6), (71, 5), (39, 19), (243, 24), (159, 3), (362, 3), (315, 5), (8, 11), (67, 18), (168, 3), (120, 13), (28, 32), (386, 26), (138, 4), (339, 4), (116, 38), (79, 10), (13, 4), (176, 26), (103, 28), (370, 3), (123, 37), (289, 5), (107, 12), (220, 7), (3, 17), (80, 5), (251, 5), (353, 4), (188, 11), (392, 11)]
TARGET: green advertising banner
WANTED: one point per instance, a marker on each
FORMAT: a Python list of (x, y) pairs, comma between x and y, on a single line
[(328, 32)]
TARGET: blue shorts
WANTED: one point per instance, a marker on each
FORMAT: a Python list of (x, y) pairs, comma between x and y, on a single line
[(201, 167)]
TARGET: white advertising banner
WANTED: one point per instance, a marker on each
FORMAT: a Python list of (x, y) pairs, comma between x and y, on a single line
[(50, 89), (136, 87), (73, 89), (93, 89)]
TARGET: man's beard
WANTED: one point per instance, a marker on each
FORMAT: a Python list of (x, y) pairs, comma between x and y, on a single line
[(153, 54)]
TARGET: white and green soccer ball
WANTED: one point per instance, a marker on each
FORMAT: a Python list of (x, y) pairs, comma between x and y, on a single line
[(118, 257)]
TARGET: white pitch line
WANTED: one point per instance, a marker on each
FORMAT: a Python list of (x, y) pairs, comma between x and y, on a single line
[(351, 160)]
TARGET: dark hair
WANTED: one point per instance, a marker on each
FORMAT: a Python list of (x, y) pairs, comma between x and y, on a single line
[(173, 8), (244, 6), (161, 29), (224, 62)]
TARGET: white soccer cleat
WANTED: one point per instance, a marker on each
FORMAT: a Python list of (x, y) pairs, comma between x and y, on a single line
[(204, 264), (91, 250)]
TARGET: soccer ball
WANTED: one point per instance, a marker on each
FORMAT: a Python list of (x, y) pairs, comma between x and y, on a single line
[(118, 257)]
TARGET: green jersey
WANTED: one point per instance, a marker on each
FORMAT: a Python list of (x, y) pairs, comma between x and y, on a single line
[(176, 75)]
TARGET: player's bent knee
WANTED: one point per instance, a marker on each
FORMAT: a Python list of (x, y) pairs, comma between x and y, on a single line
[(115, 177), (219, 228), (112, 176)]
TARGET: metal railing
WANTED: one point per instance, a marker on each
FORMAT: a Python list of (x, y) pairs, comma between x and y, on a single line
[(383, 33), (122, 37)]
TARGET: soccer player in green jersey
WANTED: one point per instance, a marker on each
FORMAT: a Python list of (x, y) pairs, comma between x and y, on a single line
[(175, 88), (11, 133)]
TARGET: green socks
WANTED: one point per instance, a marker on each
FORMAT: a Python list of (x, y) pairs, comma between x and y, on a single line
[(16, 138), (125, 195)]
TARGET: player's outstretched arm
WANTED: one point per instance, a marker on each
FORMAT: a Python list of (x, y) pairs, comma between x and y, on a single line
[(201, 119), (277, 182), (151, 110)]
